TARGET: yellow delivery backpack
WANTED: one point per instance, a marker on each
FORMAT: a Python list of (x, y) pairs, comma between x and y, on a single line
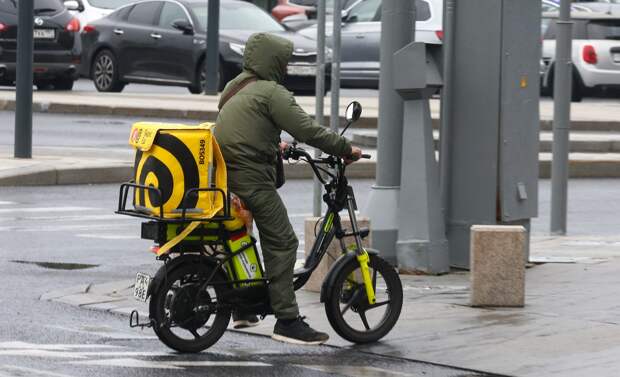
[(176, 158)]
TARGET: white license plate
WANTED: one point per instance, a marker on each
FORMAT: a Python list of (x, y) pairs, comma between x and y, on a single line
[(301, 70), (141, 289), (616, 58), (44, 34)]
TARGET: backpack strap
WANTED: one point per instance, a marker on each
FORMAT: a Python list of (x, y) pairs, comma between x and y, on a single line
[(236, 90)]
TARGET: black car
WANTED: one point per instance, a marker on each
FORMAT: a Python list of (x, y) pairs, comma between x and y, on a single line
[(57, 50), (164, 42)]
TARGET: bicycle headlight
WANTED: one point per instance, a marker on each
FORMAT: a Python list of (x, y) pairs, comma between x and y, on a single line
[(237, 48)]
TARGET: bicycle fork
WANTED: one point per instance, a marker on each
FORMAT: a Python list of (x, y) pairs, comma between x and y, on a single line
[(362, 255)]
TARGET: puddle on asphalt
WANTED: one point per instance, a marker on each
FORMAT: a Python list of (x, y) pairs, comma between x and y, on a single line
[(57, 265)]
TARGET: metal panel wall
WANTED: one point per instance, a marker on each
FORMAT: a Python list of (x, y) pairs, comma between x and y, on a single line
[(519, 120), (475, 131)]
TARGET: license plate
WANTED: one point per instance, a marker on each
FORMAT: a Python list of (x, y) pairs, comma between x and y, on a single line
[(616, 58), (301, 70), (44, 34), (141, 289)]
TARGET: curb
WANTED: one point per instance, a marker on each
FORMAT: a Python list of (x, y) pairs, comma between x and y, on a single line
[(129, 111), (362, 170)]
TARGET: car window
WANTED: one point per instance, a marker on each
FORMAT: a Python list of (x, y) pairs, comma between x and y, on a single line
[(364, 11), (608, 29), (8, 6), (109, 4), (237, 16), (121, 14), (170, 13), (308, 3), (144, 13), (371, 11), (46, 7)]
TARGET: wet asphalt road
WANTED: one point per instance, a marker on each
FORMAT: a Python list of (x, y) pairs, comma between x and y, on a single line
[(73, 227)]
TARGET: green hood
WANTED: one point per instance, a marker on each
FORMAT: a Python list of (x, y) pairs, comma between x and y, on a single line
[(267, 56)]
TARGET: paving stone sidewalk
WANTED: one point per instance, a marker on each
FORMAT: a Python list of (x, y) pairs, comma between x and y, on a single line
[(569, 327)]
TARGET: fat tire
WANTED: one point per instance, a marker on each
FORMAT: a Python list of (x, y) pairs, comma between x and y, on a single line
[(115, 85), (332, 302), (157, 313)]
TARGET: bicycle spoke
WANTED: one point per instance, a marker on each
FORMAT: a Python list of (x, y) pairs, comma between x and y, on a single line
[(350, 302), (378, 304), (195, 333), (364, 319)]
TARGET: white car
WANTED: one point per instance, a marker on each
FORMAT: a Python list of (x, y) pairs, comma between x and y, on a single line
[(595, 52), (87, 11)]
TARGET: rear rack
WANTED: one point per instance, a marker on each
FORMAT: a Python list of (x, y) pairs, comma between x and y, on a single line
[(124, 193)]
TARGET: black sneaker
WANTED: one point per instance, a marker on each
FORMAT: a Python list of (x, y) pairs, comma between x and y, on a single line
[(243, 321), (297, 331)]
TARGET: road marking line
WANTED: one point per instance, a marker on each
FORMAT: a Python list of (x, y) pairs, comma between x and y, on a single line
[(42, 353), (5, 203), (135, 363), (354, 371), (34, 372), (51, 347), (80, 218), (108, 237), (49, 209)]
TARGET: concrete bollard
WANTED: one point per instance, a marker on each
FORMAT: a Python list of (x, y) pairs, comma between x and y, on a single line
[(333, 253), (497, 262)]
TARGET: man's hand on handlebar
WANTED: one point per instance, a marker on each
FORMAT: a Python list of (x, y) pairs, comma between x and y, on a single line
[(356, 154)]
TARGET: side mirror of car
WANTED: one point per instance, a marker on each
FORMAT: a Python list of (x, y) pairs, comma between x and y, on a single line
[(183, 25), (74, 5), (354, 112)]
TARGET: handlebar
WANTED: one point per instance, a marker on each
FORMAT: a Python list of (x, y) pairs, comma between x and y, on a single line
[(293, 152)]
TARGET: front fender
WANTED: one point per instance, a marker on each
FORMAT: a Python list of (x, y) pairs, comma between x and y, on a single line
[(334, 271), (175, 263)]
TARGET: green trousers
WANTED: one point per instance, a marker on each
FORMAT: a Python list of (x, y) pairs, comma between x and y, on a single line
[(278, 244)]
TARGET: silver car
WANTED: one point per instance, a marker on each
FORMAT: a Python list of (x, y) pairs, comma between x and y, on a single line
[(361, 38), (596, 52)]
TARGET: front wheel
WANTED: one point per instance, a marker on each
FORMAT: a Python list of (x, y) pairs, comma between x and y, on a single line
[(347, 307), (186, 316)]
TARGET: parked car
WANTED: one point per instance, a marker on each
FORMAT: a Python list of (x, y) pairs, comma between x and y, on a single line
[(90, 10), (595, 52), (56, 45), (601, 7), (164, 42), (306, 18), (361, 38), (554, 6)]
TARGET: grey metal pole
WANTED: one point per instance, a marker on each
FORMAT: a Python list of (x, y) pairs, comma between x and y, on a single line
[(561, 120), (212, 57), (319, 109), (23, 111), (334, 119), (397, 28), (445, 137)]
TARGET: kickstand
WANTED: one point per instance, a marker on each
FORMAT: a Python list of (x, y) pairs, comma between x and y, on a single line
[(134, 321)]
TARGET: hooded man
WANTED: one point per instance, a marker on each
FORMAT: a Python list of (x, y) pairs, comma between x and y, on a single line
[(257, 109)]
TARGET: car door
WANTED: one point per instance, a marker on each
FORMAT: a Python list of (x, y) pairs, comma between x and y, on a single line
[(138, 48), (174, 55), (361, 35)]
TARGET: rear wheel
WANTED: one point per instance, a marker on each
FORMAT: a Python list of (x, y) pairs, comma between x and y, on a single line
[(223, 77), (105, 73), (43, 85), (185, 315), (347, 307)]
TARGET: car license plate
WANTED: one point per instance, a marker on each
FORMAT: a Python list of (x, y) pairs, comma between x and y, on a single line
[(141, 289), (44, 34), (301, 70), (616, 58)]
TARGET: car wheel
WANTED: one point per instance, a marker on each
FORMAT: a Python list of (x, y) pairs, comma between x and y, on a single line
[(223, 78), (63, 84), (105, 73), (577, 92)]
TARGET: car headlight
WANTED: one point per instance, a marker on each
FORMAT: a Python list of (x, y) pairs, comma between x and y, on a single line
[(237, 48)]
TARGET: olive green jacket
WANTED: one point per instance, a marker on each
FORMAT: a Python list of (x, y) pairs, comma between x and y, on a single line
[(249, 125)]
